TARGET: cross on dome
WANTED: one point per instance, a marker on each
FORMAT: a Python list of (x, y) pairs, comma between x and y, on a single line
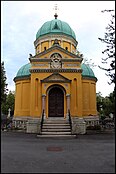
[(56, 9)]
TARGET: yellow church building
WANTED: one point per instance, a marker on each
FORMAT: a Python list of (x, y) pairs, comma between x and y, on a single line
[(55, 83)]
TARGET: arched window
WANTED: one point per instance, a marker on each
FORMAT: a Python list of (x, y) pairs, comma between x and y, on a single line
[(66, 48)]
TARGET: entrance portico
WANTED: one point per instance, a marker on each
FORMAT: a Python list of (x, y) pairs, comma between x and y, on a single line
[(56, 102)]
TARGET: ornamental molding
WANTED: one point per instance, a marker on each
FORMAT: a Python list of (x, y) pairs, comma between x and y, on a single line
[(40, 65), (58, 48), (62, 37), (58, 37), (89, 78), (48, 59), (56, 77), (28, 77), (70, 65), (56, 61), (55, 70)]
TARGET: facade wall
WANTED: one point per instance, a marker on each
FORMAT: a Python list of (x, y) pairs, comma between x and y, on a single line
[(48, 43), (89, 97), (52, 42), (67, 45), (74, 90), (62, 54), (73, 48), (28, 101), (44, 44), (35, 103), (22, 98), (76, 96)]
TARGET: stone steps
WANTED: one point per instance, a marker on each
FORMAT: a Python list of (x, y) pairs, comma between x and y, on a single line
[(56, 122), (55, 130), (56, 133), (57, 136), (57, 127)]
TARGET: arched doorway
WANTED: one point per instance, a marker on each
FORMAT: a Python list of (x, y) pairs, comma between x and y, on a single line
[(56, 102)]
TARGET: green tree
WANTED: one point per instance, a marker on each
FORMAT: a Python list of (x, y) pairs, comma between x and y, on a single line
[(109, 40), (3, 84), (99, 100), (112, 99), (10, 101), (105, 105)]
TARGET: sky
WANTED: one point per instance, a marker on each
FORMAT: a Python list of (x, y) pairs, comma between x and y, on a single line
[(20, 21)]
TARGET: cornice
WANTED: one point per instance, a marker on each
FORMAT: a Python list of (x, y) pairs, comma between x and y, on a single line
[(58, 48), (48, 60), (22, 78), (89, 78), (56, 77), (55, 70), (51, 36)]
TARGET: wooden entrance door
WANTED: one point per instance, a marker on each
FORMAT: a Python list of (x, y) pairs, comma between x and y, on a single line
[(56, 103)]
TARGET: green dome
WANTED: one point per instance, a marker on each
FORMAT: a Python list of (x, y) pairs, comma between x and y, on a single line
[(87, 71), (24, 70), (55, 27)]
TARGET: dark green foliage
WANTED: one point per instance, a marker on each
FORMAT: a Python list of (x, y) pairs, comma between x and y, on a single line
[(106, 105), (10, 99), (109, 40), (3, 84)]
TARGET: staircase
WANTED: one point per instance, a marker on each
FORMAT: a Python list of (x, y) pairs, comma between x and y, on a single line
[(56, 127)]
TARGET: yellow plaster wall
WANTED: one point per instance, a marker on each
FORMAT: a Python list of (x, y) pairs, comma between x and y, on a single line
[(28, 99), (35, 103), (35, 108), (37, 48), (67, 44), (22, 98), (89, 97), (52, 42), (76, 96), (73, 47), (64, 55), (44, 44)]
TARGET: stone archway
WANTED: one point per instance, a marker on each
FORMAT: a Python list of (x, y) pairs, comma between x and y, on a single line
[(56, 102)]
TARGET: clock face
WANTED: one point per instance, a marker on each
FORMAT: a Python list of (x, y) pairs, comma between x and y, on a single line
[(56, 61)]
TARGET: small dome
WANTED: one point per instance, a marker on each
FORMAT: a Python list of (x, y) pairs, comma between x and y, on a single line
[(87, 71), (55, 27), (24, 70)]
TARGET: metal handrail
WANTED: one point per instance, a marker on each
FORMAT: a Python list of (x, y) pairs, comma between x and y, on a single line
[(70, 121), (42, 119)]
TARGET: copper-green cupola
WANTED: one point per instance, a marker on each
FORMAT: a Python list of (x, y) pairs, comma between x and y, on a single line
[(56, 26)]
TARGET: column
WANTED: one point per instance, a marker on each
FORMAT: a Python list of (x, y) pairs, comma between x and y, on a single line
[(49, 43), (71, 47), (68, 102), (75, 96), (62, 43), (40, 48), (44, 103)]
